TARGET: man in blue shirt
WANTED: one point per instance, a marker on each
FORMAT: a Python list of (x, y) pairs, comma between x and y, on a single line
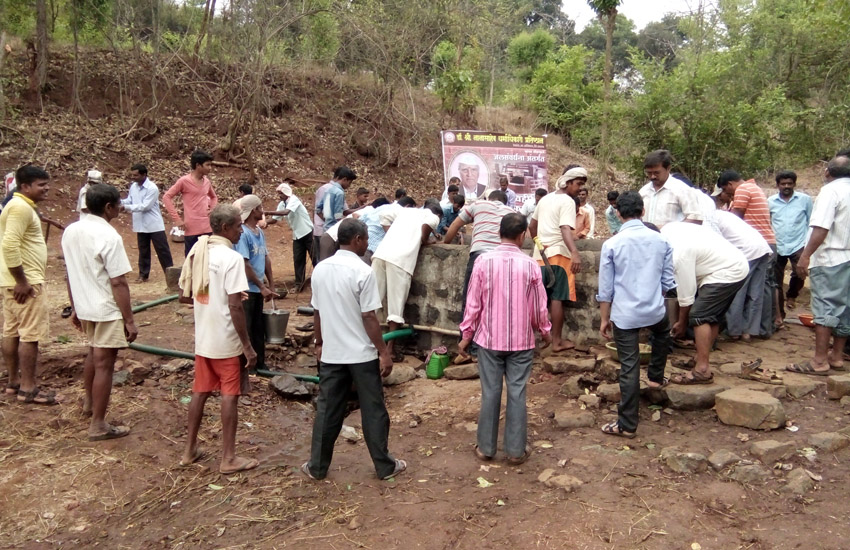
[(143, 202), (450, 213), (790, 212), (635, 272), (258, 270), (331, 207)]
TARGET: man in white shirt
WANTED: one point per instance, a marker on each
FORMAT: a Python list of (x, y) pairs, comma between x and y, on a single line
[(528, 206), (92, 177), (826, 260), (293, 210), (213, 279), (100, 298), (349, 348), (743, 319), (703, 260), (666, 198), (395, 258), (143, 203)]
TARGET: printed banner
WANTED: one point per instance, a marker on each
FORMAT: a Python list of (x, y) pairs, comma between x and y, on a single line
[(480, 159)]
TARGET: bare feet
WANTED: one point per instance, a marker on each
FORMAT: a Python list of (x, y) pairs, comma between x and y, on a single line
[(562, 345), (238, 465), (192, 456)]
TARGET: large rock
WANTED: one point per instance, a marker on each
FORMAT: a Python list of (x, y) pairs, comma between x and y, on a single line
[(304, 360), (798, 482), (770, 451), (609, 392), (575, 384), (120, 378), (574, 419), (774, 390), (838, 386), (692, 398), (462, 372), (590, 400), (177, 365), (289, 387), (750, 409), (559, 365), (401, 374), (828, 441), (683, 463), (172, 278), (749, 473), (609, 370), (138, 372), (722, 458), (799, 386)]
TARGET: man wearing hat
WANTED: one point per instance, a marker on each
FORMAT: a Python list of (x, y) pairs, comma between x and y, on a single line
[(553, 221), (258, 269), (93, 176), (293, 210)]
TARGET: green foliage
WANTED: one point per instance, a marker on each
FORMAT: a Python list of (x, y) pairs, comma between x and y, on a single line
[(624, 38), (454, 78), (527, 49)]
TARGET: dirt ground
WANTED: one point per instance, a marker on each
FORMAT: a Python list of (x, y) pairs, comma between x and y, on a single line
[(59, 489)]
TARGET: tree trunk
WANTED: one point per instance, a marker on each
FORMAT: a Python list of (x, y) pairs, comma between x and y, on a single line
[(39, 81), (610, 21), (203, 30), (76, 105), (209, 26)]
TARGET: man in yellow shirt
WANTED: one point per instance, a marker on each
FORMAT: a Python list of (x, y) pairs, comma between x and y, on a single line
[(23, 262)]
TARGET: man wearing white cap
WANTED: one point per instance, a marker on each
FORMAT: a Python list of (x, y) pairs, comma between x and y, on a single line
[(293, 210), (553, 222), (93, 176), (258, 266)]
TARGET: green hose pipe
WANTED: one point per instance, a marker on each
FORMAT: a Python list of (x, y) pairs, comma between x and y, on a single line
[(164, 300), (400, 333), (302, 377), (161, 351)]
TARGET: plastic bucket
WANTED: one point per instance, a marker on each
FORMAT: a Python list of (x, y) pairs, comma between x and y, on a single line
[(436, 365)]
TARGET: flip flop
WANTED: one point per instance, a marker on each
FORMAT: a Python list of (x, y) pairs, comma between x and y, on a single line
[(663, 384), (305, 469), (306, 327), (687, 364), (114, 432), (400, 466), (198, 455), (694, 379), (613, 428), (806, 368), (246, 464)]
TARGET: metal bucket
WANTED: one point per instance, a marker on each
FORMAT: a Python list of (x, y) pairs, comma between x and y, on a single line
[(275, 321)]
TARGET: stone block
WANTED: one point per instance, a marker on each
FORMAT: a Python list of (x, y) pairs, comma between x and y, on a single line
[(799, 386), (120, 378), (591, 401), (775, 390), (288, 387), (722, 458), (682, 462), (576, 384), (770, 451), (574, 419), (692, 398), (609, 392), (172, 278), (828, 441), (305, 360), (750, 409), (749, 474), (138, 372), (462, 372), (798, 482), (838, 386), (402, 374), (609, 370)]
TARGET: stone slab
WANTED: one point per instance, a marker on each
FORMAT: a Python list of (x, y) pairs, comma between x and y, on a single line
[(750, 409)]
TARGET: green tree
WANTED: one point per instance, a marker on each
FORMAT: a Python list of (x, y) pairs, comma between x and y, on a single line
[(527, 49)]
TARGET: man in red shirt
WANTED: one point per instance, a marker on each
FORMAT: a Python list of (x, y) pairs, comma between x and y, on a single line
[(199, 199), (750, 203)]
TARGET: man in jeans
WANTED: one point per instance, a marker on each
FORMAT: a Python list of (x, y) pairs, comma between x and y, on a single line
[(506, 304), (790, 212), (349, 348), (635, 272)]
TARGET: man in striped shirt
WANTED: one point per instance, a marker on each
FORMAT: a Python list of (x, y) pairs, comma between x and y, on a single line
[(507, 304), (485, 215)]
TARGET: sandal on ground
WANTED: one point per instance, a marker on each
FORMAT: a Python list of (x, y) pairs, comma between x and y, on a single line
[(806, 368), (695, 378), (838, 367), (687, 364), (400, 466), (114, 432), (306, 327), (12, 389), (199, 454), (754, 371), (245, 464), (517, 460), (613, 428), (37, 397), (661, 385), (684, 344), (481, 456)]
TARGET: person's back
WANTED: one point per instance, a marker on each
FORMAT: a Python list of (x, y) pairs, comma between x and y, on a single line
[(485, 215), (403, 240), (740, 234)]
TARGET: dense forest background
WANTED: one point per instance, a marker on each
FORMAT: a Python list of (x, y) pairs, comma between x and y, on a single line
[(756, 85)]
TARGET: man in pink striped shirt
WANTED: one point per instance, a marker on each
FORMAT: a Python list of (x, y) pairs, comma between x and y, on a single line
[(199, 198), (505, 305)]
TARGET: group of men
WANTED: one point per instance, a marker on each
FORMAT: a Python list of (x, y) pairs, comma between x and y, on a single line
[(669, 243)]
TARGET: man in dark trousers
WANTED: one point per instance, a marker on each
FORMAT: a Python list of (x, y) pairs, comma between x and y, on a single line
[(349, 348), (143, 203)]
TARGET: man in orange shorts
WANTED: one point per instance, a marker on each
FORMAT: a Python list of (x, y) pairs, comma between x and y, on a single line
[(553, 222), (213, 278)]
